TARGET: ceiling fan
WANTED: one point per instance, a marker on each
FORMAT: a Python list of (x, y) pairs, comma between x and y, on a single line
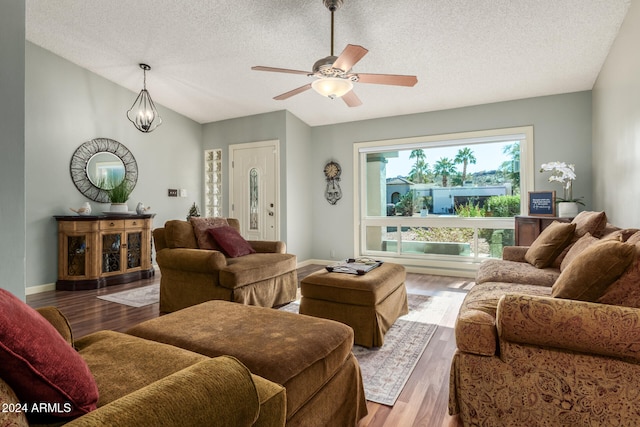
[(333, 75)]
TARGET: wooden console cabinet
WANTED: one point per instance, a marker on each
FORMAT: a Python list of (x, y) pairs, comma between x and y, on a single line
[(528, 228), (102, 250)]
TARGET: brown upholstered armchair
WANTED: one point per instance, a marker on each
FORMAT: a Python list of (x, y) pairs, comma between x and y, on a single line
[(190, 275)]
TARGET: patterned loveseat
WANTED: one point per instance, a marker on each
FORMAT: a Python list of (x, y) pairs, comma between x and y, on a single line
[(557, 344)]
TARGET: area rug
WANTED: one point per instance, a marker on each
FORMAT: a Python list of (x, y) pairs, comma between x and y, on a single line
[(385, 370), (138, 297)]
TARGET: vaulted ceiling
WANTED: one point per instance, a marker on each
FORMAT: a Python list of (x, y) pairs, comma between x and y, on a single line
[(464, 52)]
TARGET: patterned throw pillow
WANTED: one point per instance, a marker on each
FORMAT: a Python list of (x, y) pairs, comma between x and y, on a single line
[(200, 227), (10, 414)]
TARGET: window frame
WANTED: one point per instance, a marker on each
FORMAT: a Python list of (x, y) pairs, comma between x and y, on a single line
[(524, 134)]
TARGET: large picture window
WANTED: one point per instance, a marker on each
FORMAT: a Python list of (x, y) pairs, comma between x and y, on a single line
[(442, 200)]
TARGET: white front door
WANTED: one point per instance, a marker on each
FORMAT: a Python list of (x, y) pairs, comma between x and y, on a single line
[(254, 189)]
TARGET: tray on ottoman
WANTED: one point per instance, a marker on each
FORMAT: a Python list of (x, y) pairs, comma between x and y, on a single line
[(310, 357), (369, 303)]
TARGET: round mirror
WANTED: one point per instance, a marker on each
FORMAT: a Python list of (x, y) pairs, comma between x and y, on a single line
[(105, 170), (99, 165)]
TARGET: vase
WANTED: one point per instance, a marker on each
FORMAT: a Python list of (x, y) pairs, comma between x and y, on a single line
[(567, 209), (119, 207)]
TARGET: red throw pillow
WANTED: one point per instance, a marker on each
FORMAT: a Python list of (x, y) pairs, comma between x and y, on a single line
[(231, 242), (40, 366)]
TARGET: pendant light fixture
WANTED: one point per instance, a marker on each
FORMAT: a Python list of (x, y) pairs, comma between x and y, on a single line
[(143, 113)]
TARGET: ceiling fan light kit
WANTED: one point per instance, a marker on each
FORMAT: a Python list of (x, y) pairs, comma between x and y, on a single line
[(332, 87), (333, 75), (143, 113)]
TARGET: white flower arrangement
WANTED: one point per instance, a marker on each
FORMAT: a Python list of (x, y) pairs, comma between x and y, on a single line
[(563, 173), (560, 172)]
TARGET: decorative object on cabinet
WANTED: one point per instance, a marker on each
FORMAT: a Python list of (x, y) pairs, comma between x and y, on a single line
[(143, 113), (542, 203), (98, 162), (333, 192), (84, 210), (101, 250), (564, 173), (141, 209), (118, 195)]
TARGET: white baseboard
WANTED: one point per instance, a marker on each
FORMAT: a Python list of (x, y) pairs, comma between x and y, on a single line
[(31, 290)]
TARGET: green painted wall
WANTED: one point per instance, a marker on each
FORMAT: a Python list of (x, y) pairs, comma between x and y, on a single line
[(67, 105), (616, 127), (12, 161)]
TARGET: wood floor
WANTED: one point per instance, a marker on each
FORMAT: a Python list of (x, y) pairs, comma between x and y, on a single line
[(423, 401)]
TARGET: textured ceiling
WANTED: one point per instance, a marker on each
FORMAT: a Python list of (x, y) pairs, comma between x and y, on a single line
[(464, 52)]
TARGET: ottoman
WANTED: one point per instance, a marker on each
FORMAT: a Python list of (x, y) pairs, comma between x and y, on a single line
[(310, 357), (370, 303)]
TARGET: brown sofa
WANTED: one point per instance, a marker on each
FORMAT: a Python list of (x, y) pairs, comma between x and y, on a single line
[(191, 275), (553, 346), (143, 383)]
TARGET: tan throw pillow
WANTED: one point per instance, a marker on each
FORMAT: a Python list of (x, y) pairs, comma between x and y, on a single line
[(549, 244), (626, 290), (577, 248), (179, 234), (634, 239), (590, 222), (200, 227), (621, 235), (591, 272)]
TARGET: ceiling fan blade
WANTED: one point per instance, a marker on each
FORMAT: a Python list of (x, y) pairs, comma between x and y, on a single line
[(293, 92), (351, 99), (387, 79), (349, 57), (280, 70)]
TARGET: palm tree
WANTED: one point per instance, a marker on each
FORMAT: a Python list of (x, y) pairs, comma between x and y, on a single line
[(444, 168), (418, 154), (419, 172), (420, 169), (511, 168), (465, 156)]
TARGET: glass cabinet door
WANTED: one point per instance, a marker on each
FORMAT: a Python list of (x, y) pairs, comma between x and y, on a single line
[(77, 255), (134, 250), (111, 253)]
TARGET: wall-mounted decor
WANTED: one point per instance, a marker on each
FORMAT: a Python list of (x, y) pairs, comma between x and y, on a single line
[(542, 203), (100, 163), (143, 113), (333, 192)]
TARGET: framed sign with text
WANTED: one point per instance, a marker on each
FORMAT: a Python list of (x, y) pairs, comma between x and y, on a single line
[(542, 203)]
